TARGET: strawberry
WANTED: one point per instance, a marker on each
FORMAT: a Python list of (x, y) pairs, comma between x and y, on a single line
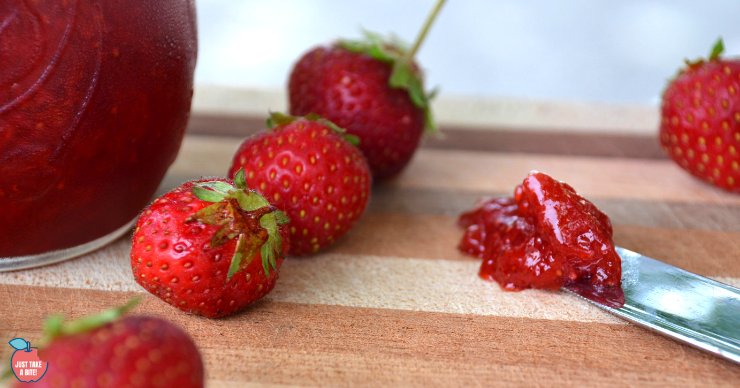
[(371, 87), (700, 120), (305, 167), (107, 351), (209, 247)]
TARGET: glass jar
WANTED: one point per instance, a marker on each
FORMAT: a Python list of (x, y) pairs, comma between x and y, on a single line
[(94, 99)]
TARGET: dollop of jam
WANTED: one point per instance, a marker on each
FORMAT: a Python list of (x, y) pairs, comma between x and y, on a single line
[(545, 236)]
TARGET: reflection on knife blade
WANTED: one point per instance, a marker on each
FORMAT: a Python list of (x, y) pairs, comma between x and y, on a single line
[(679, 304)]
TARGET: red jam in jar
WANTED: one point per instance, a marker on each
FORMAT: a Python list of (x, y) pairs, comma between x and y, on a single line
[(546, 236), (94, 99)]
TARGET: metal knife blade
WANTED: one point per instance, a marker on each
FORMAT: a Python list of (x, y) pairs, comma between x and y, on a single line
[(690, 308)]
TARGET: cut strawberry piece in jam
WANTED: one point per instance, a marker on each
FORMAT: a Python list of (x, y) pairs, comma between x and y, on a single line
[(523, 256), (485, 225), (548, 237)]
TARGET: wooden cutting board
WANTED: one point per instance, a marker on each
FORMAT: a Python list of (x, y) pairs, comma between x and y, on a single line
[(394, 302)]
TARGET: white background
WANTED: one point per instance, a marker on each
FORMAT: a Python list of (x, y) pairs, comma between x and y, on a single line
[(568, 50)]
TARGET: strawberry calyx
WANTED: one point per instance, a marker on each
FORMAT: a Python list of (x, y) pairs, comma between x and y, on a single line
[(714, 55), (277, 119), (55, 325), (244, 215), (404, 72), (717, 49)]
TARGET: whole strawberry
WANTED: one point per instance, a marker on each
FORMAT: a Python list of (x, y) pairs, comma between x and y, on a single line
[(209, 247), (106, 351), (700, 121), (374, 89), (307, 168)]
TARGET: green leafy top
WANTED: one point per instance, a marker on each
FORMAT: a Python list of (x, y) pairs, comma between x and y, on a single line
[(277, 119), (243, 215), (717, 49), (404, 73), (55, 325)]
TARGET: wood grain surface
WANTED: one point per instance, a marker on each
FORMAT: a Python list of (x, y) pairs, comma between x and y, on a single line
[(394, 302)]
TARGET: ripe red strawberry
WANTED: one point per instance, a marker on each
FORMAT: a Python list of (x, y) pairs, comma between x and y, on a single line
[(374, 89), (105, 351), (700, 123), (209, 247), (305, 167)]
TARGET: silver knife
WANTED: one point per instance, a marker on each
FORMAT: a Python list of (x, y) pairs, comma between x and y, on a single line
[(679, 304)]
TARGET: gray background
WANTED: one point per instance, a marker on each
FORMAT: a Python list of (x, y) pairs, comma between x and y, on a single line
[(570, 50)]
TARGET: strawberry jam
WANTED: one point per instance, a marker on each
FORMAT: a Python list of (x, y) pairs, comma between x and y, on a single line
[(546, 236), (94, 99)]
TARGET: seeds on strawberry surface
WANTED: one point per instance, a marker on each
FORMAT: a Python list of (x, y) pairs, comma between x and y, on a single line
[(109, 350), (705, 89), (307, 178), (222, 220), (374, 89)]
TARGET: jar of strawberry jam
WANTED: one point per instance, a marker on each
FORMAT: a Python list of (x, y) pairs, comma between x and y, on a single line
[(94, 99)]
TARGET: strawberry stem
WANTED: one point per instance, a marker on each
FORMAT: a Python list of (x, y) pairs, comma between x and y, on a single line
[(717, 49), (55, 325), (424, 30)]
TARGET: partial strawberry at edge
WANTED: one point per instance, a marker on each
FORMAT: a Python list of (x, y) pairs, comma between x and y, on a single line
[(373, 90), (308, 167), (700, 119), (209, 247), (105, 350)]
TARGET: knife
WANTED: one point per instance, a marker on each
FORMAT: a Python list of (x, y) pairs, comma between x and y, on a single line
[(698, 311)]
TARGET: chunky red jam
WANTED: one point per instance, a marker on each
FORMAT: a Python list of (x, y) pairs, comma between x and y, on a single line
[(94, 99), (546, 236)]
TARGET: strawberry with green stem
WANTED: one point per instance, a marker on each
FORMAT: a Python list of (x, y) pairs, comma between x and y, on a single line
[(374, 89), (307, 167), (209, 247), (700, 119), (109, 351)]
